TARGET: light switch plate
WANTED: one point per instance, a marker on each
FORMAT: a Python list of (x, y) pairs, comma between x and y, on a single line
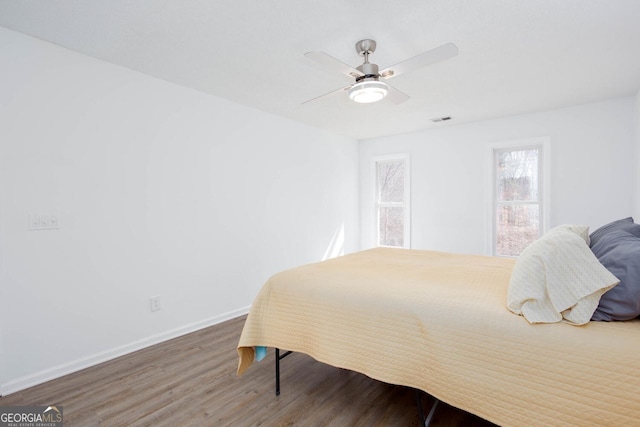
[(47, 221)]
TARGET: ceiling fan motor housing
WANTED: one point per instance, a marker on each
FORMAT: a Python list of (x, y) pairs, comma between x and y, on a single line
[(369, 70)]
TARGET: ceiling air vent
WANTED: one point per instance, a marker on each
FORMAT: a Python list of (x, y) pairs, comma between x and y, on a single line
[(441, 119)]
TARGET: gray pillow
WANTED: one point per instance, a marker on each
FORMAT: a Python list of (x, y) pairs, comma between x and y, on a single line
[(619, 252), (625, 224)]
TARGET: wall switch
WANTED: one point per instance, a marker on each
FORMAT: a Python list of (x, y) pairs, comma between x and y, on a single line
[(34, 221), (155, 303), (43, 221)]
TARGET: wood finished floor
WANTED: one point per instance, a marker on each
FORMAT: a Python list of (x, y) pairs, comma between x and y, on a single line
[(191, 381)]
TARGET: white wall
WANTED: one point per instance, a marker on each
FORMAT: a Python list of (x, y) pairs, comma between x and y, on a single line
[(160, 190), (592, 173)]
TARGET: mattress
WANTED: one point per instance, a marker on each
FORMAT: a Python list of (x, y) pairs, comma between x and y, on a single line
[(438, 322)]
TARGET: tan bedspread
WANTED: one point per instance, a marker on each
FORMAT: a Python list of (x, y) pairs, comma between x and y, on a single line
[(438, 322)]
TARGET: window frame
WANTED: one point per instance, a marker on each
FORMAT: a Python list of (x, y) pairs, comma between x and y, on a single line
[(542, 144), (406, 204)]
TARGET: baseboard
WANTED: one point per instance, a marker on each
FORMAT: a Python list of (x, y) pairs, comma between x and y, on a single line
[(86, 362)]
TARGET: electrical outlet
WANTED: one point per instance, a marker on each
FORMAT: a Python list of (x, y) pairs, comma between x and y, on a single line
[(155, 303)]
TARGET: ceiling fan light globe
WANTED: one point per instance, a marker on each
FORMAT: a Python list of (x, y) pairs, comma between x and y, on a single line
[(368, 92)]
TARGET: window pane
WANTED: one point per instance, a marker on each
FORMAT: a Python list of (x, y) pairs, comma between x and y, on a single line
[(391, 181), (517, 175), (391, 222), (516, 228)]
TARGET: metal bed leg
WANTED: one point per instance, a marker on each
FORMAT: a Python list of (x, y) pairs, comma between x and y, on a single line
[(277, 372), (278, 358), (426, 421), (431, 413)]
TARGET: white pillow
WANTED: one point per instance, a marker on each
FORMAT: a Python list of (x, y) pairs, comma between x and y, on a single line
[(558, 277), (580, 230)]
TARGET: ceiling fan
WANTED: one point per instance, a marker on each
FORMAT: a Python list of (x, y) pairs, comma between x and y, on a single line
[(369, 85)]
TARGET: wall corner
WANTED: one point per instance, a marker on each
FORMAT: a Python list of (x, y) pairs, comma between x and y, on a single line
[(636, 156)]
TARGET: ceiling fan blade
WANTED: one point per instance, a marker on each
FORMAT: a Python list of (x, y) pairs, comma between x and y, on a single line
[(395, 96), (429, 57), (331, 64), (327, 95)]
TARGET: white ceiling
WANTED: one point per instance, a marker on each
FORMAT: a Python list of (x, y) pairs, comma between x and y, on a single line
[(515, 56)]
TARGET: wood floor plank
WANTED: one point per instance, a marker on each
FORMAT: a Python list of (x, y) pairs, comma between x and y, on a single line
[(191, 381)]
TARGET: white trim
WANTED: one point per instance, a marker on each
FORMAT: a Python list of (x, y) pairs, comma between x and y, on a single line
[(406, 157), (544, 180), (104, 356)]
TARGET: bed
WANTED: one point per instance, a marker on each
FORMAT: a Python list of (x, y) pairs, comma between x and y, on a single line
[(438, 322)]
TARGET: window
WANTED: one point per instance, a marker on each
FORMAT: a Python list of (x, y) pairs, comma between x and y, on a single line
[(392, 201), (518, 214)]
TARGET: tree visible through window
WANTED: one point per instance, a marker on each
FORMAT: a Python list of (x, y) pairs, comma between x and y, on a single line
[(391, 203), (518, 204)]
